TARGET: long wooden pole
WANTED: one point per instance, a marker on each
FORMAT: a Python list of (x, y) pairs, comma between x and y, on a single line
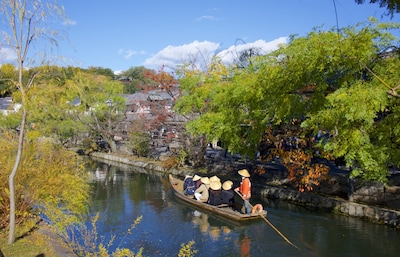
[(269, 223)]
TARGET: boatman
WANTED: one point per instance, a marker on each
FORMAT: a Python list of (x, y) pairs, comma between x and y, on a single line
[(245, 189)]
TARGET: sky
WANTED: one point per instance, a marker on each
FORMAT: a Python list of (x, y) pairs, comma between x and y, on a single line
[(122, 34)]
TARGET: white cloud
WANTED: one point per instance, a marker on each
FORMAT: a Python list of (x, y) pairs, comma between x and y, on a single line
[(208, 18), (128, 53), (195, 52), (200, 53), (233, 52), (7, 55)]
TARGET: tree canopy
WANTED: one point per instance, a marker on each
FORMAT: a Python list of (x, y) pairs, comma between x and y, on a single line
[(343, 83)]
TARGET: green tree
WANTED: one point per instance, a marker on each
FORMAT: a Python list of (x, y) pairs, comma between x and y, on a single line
[(50, 101), (139, 141), (140, 78), (27, 24), (101, 109), (101, 71), (341, 82), (68, 102), (331, 81), (213, 95)]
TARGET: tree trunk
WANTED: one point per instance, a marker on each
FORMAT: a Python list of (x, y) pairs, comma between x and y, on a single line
[(11, 178)]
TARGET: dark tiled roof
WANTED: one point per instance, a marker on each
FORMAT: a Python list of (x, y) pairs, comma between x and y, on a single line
[(5, 103), (142, 96), (135, 98)]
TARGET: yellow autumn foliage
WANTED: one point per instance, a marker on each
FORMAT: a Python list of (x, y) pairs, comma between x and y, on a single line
[(51, 180)]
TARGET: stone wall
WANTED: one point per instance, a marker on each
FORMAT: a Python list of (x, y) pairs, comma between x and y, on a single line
[(385, 195), (337, 205)]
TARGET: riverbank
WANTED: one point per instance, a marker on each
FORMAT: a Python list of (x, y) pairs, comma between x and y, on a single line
[(314, 200), (39, 240)]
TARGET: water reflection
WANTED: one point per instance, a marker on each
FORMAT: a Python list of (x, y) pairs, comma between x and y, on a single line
[(120, 195), (214, 229), (244, 242)]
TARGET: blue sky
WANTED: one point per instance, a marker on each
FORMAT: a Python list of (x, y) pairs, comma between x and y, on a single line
[(121, 34)]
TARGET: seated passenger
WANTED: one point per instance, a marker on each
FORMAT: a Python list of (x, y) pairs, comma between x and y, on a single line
[(227, 194), (201, 194), (197, 180), (215, 193), (189, 186), (215, 178)]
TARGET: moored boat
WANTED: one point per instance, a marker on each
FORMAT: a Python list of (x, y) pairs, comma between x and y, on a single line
[(224, 211)]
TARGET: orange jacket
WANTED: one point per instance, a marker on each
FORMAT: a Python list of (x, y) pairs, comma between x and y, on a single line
[(245, 188)]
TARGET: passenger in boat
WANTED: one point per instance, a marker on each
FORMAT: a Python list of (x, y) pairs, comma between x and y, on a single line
[(189, 186), (245, 189), (215, 193), (215, 178), (197, 180), (201, 194), (227, 194)]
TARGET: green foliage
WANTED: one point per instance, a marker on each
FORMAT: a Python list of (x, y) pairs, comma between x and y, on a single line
[(10, 121), (139, 79), (182, 157), (352, 95), (342, 82), (68, 102), (8, 77), (89, 145), (139, 142), (214, 96), (107, 72)]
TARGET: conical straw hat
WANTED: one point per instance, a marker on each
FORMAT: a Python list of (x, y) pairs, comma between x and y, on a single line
[(244, 173)]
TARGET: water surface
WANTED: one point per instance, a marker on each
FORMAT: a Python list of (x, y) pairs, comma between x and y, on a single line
[(121, 195)]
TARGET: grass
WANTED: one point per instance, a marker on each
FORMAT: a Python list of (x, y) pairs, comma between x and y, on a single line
[(29, 243)]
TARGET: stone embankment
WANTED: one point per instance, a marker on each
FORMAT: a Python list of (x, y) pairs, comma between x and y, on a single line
[(337, 205), (315, 200)]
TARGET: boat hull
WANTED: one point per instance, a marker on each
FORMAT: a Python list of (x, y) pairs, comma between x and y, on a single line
[(226, 212)]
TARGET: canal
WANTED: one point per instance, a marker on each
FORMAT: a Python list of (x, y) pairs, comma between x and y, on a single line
[(120, 195)]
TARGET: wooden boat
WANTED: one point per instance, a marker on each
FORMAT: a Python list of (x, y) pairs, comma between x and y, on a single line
[(223, 211)]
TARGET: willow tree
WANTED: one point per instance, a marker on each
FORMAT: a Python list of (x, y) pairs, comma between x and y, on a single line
[(101, 105), (27, 23), (68, 102)]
